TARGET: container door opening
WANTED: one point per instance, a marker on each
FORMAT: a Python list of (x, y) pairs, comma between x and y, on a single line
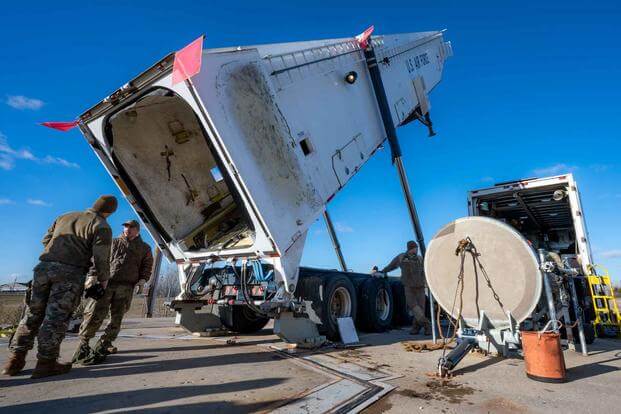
[(164, 151)]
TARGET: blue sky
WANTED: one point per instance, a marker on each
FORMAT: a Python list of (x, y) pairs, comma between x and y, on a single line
[(532, 90)]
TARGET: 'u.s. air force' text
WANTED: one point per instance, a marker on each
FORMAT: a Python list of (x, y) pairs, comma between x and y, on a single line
[(416, 62)]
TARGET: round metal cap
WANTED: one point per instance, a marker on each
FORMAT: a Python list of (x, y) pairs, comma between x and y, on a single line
[(507, 259)]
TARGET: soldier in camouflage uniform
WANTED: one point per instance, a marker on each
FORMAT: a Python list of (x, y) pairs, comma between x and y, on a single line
[(72, 243), (131, 264), (413, 279)]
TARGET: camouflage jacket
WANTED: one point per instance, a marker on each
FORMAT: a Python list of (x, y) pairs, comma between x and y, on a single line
[(130, 260), (79, 239), (412, 270)]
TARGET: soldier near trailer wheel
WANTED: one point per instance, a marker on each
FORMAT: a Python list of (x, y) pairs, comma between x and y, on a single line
[(413, 279), (131, 265), (72, 243)]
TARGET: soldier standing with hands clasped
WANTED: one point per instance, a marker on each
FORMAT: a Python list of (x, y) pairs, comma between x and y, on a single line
[(131, 265)]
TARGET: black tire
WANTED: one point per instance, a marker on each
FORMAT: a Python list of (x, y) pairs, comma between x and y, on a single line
[(401, 313), (339, 300), (376, 305), (242, 319)]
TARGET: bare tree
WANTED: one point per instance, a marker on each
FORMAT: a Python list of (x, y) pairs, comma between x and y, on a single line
[(167, 289), (168, 283)]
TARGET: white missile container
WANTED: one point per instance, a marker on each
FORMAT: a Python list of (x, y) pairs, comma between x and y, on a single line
[(240, 160)]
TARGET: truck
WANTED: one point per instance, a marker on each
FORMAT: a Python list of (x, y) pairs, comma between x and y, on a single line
[(228, 169), (548, 212)]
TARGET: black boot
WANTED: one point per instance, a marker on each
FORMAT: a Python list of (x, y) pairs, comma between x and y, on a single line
[(48, 368)]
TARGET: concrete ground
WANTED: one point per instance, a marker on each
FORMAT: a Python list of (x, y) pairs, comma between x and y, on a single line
[(160, 368), (483, 384)]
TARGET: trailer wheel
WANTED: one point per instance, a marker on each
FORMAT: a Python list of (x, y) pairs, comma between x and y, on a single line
[(376, 305), (401, 312), (339, 301), (242, 319)]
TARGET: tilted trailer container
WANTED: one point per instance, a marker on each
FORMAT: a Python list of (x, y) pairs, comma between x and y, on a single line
[(233, 165)]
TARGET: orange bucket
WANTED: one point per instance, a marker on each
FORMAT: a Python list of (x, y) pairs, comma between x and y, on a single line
[(543, 356)]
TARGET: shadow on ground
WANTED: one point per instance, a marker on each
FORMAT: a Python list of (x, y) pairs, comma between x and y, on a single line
[(593, 369), (130, 399), (110, 369), (197, 347)]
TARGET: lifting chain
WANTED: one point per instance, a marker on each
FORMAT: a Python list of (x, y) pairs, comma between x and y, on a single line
[(464, 247)]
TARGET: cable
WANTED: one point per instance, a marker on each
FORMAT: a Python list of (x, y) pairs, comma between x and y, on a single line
[(242, 279)]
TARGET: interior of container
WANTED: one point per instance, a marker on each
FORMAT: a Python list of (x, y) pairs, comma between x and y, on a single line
[(166, 157), (542, 215)]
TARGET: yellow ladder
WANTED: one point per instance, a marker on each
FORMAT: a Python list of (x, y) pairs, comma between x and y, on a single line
[(607, 320)]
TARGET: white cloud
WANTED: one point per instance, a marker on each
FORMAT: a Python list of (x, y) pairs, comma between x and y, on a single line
[(36, 202), (555, 169), (23, 102), (611, 254), (59, 161), (487, 179), (5, 201), (9, 155), (342, 228), (6, 162)]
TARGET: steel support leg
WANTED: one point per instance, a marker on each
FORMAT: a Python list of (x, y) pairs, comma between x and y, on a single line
[(155, 275), (548, 290), (578, 313), (550, 298), (393, 141), (335, 240), (405, 186), (448, 363)]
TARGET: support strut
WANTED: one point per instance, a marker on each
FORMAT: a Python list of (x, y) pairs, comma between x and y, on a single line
[(395, 149), (449, 362), (335, 240)]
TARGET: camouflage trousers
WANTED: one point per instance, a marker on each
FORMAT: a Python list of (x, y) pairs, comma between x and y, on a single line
[(415, 297), (116, 300), (56, 292)]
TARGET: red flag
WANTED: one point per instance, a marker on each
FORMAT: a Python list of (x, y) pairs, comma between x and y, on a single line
[(188, 61), (363, 37), (61, 126)]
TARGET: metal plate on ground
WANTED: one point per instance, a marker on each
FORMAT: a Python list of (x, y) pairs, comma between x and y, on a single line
[(347, 330), (508, 260)]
